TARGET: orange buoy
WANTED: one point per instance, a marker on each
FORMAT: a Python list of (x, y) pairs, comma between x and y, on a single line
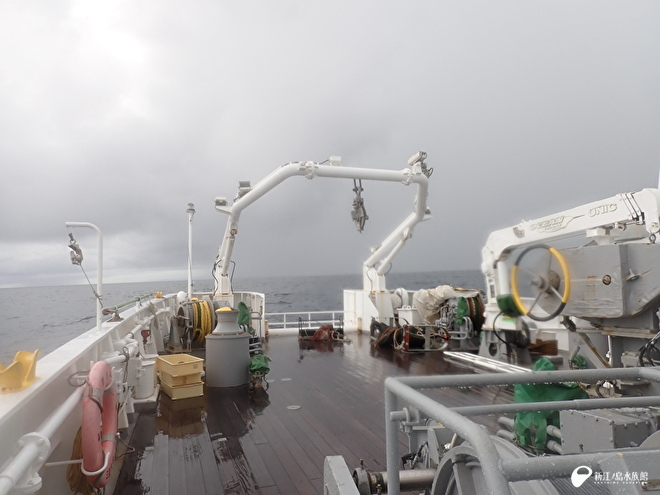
[(99, 425)]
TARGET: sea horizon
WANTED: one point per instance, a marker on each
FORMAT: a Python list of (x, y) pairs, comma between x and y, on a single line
[(46, 317)]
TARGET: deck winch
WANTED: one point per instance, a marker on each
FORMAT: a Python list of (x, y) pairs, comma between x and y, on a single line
[(581, 285), (227, 351)]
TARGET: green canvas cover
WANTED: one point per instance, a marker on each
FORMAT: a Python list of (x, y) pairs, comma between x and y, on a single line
[(243, 319), (530, 427), (507, 306), (462, 310), (259, 364)]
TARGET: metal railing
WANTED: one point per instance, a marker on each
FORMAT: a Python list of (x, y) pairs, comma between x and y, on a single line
[(498, 472), (34, 449), (305, 320)]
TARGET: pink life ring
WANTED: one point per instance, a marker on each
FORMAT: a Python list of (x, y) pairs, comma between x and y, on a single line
[(99, 425)]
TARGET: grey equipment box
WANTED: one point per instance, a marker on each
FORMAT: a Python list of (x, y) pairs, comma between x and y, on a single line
[(605, 429)]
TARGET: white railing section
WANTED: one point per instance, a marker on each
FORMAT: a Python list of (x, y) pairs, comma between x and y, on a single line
[(34, 449), (307, 320)]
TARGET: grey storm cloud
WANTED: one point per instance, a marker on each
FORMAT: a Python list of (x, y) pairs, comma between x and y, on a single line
[(121, 113)]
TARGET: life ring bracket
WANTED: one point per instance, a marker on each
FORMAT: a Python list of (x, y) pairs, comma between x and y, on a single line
[(99, 471)]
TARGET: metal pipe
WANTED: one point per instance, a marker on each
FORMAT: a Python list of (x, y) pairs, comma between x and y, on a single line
[(560, 405), (405, 228), (129, 302), (650, 374), (114, 360), (311, 170), (133, 349), (557, 376), (191, 213), (554, 446), (416, 479), (554, 431), (498, 472), (486, 363), (384, 265), (477, 437), (507, 435), (99, 275), (55, 420), (35, 446), (409, 480), (15, 471), (508, 422), (407, 225), (391, 442), (551, 467)]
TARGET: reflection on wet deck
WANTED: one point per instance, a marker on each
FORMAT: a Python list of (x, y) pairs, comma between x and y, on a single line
[(323, 399)]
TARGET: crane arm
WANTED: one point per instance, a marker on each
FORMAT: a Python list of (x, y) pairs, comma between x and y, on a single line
[(416, 174), (616, 212)]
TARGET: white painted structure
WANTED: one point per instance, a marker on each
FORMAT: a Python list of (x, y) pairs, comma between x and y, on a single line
[(359, 305)]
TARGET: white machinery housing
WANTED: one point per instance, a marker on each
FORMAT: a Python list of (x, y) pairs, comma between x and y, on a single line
[(604, 290)]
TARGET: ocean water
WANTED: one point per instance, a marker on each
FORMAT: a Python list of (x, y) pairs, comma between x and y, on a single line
[(44, 318)]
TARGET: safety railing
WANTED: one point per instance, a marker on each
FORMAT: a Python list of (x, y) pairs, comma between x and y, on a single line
[(305, 320), (497, 471), (34, 449)]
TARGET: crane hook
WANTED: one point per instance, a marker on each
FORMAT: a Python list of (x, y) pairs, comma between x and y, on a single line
[(76, 252)]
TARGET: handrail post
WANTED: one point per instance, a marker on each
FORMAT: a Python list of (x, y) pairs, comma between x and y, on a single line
[(489, 457), (391, 443), (191, 213)]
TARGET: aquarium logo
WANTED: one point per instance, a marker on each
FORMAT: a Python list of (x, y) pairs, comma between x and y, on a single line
[(578, 478)]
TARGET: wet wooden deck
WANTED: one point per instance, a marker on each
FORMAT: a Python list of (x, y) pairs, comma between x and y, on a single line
[(323, 399)]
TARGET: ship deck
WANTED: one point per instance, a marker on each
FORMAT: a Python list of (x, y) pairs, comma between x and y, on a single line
[(322, 399)]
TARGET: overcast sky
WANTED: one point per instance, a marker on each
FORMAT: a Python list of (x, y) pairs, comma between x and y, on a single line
[(119, 113)]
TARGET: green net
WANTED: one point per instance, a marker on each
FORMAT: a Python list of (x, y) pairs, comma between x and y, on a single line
[(530, 427)]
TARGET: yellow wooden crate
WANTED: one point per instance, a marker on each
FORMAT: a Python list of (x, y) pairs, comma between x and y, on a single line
[(183, 391), (180, 364), (178, 380)]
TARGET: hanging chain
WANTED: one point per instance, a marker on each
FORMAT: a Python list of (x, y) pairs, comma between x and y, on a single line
[(359, 213)]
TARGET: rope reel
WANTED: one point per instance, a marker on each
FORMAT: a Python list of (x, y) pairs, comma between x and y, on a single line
[(199, 319), (472, 308), (202, 320)]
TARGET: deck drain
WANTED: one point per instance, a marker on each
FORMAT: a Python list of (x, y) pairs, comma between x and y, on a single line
[(286, 379), (293, 407)]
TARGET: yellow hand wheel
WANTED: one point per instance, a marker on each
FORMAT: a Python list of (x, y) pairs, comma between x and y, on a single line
[(545, 283)]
